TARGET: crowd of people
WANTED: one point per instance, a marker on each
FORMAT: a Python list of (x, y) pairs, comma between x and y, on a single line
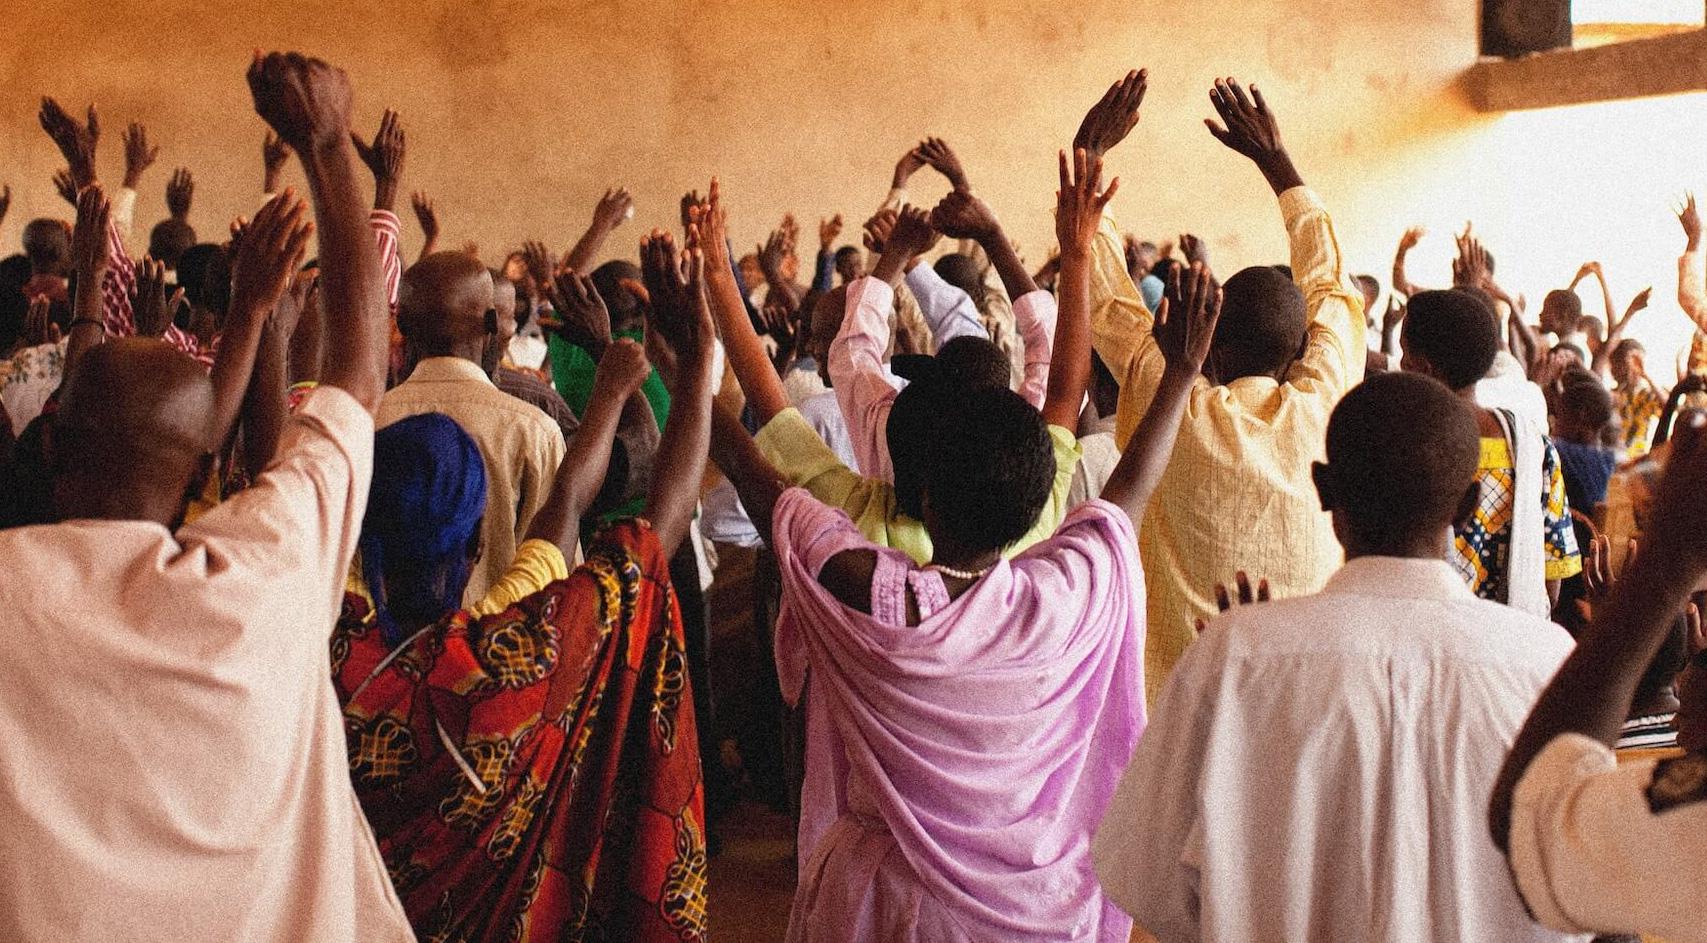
[(353, 600)]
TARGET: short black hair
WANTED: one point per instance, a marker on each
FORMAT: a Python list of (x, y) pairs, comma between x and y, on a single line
[(169, 240), (1585, 398), (1569, 303), (626, 311), (973, 362), (14, 307), (961, 272), (846, 252), (195, 266), (47, 243), (1455, 332), (1262, 323), (1163, 269), (1402, 453), (991, 469)]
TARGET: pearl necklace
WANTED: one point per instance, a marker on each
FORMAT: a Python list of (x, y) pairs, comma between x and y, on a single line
[(968, 575)]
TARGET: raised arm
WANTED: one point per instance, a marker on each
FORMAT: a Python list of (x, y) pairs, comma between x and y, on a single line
[(681, 322), (747, 357), (274, 154), (612, 209), (1078, 213), (264, 257), (1185, 325), (1407, 241), (1599, 273), (1592, 691), (307, 102), (385, 158), (581, 474), (428, 216), (1691, 296), (1615, 331), (89, 260), (961, 215)]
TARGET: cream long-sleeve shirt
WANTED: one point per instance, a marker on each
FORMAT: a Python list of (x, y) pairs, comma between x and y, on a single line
[(1319, 768), (522, 447), (174, 765), (1237, 494)]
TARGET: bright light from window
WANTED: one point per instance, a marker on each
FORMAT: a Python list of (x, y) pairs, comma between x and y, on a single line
[(1666, 12)]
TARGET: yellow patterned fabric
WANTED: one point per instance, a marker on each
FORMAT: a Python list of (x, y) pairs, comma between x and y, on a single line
[(1483, 545), (1639, 411)]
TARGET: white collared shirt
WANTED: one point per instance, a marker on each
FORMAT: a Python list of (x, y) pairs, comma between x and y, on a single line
[(1319, 768)]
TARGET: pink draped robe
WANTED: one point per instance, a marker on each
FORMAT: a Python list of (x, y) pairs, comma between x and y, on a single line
[(956, 769)]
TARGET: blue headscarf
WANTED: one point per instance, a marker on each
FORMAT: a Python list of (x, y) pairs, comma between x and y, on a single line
[(426, 502), (1151, 288)]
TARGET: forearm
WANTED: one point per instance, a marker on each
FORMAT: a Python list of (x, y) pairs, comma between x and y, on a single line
[(88, 320), (586, 248), (1592, 691), (1016, 281), (385, 193), (681, 452), (756, 481), (232, 371), (427, 247), (823, 274), (1606, 299), (1278, 170), (1691, 296), (579, 477), (746, 354), (1070, 362), (1146, 457), (1401, 284), (264, 405), (352, 296)]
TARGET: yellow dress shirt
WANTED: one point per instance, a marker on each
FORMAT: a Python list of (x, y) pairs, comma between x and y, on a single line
[(794, 447), (1237, 493)]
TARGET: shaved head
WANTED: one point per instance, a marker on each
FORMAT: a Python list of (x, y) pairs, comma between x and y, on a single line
[(131, 432), (445, 303)]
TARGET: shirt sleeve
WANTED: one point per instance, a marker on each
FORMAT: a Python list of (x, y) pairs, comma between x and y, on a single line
[(1121, 326), (1034, 317), (124, 212), (1334, 356), (1590, 855), (1564, 560), (538, 564), (545, 449), (948, 311), (387, 235), (856, 373), (824, 273), (1691, 296)]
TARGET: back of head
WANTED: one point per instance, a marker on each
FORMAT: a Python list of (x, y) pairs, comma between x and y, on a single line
[(47, 244), (169, 240), (990, 469), (1402, 453), (194, 266), (961, 272), (14, 307), (133, 416), (1451, 335), (1585, 401), (420, 534), (1561, 310), (827, 315), (445, 301), (627, 314), (971, 362), (1263, 319)]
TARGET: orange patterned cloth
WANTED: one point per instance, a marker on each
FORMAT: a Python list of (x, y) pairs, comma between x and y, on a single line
[(535, 774)]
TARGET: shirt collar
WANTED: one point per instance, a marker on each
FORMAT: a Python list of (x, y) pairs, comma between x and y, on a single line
[(447, 370), (1398, 578)]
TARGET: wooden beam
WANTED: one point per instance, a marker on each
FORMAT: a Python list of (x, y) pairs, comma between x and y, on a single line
[(1660, 65)]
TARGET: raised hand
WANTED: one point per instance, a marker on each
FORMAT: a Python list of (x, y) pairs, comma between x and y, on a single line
[(711, 221), (1242, 583), (304, 100), (1113, 117), (76, 141), (1690, 219), (39, 328), (943, 160), (539, 262), (877, 229), (385, 158), (1587, 269), (680, 321), (584, 319), (1471, 268), (1193, 247), (961, 215), (1252, 130), (620, 372), (910, 237), (139, 155), (1080, 201), (180, 191), (150, 306), (268, 254), (828, 230), (906, 167), (772, 253), (65, 187), (1185, 325), (89, 237), (1638, 303), (274, 153), (613, 209), (428, 216), (1411, 237)]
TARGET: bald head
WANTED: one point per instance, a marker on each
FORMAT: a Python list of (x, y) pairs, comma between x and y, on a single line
[(131, 432), (445, 303)]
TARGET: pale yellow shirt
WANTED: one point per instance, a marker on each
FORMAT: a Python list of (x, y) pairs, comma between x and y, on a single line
[(175, 765), (1237, 493), (522, 447)]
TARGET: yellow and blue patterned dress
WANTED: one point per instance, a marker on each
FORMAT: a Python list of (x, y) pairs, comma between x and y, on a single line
[(1483, 545)]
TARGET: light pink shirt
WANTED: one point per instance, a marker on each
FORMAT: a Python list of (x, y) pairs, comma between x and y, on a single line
[(174, 764)]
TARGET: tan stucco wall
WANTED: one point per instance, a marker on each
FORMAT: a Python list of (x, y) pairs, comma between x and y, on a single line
[(520, 112)]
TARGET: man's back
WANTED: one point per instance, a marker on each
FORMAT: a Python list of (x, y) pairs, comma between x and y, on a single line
[(1318, 768), (175, 761), (521, 445)]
